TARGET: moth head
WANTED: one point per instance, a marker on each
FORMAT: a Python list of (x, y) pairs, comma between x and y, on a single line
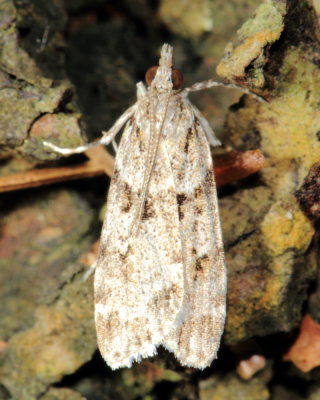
[(164, 77)]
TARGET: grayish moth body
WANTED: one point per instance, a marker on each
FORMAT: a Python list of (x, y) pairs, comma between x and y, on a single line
[(160, 275)]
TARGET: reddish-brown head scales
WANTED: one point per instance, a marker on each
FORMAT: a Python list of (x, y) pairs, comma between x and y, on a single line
[(176, 76)]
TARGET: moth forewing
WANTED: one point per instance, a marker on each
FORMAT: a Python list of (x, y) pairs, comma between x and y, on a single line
[(160, 277), (196, 338), (139, 277)]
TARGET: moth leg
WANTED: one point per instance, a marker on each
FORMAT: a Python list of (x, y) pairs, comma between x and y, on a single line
[(141, 90), (115, 146), (90, 271), (210, 83), (107, 137), (212, 139)]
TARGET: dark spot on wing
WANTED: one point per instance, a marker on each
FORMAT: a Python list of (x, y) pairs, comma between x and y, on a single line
[(209, 178), (148, 211), (115, 174), (139, 138), (198, 191), (197, 122), (123, 257), (199, 199), (188, 137), (200, 262), (136, 132), (200, 265), (180, 337), (181, 199), (126, 199), (102, 252), (198, 210)]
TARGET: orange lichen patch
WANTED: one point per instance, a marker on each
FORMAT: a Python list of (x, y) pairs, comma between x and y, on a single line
[(246, 369), (233, 166), (305, 352)]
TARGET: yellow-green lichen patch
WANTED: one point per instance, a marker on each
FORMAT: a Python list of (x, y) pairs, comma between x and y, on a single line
[(289, 125), (264, 241), (262, 284), (286, 228), (31, 78), (257, 33)]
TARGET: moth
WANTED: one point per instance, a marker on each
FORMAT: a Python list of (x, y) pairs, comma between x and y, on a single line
[(160, 275)]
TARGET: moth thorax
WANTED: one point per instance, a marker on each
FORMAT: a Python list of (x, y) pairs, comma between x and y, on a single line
[(176, 77)]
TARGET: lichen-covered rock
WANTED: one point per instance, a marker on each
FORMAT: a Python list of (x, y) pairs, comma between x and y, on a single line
[(32, 78), (47, 329), (268, 237), (264, 258), (52, 347), (47, 304), (37, 235), (59, 128), (254, 37)]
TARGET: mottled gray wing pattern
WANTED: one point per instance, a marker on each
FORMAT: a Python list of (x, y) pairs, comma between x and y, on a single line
[(139, 278), (196, 339)]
